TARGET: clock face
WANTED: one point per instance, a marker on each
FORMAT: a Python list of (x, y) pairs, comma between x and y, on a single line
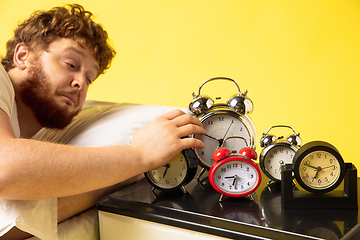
[(235, 178), (170, 176), (220, 125), (273, 157), (319, 170)]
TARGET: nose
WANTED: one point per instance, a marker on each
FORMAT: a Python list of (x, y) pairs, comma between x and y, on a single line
[(79, 82)]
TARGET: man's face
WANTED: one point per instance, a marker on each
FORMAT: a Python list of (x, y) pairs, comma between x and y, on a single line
[(57, 82)]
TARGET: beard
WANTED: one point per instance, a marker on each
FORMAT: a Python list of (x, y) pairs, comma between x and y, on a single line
[(34, 92)]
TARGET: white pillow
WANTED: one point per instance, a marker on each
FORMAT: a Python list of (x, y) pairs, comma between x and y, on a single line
[(105, 124)]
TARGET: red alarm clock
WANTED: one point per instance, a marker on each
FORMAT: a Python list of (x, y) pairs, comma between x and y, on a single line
[(235, 175)]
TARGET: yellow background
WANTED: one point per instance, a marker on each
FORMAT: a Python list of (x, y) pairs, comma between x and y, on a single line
[(299, 60)]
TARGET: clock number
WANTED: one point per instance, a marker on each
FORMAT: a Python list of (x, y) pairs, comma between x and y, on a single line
[(235, 165), (318, 155), (223, 170), (210, 122), (221, 119)]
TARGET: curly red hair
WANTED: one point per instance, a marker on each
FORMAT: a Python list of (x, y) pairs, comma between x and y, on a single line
[(70, 21)]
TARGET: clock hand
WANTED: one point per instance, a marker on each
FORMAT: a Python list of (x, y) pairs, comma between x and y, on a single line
[(212, 138), (227, 130), (315, 175), (306, 164), (235, 178), (166, 168), (332, 166), (318, 169)]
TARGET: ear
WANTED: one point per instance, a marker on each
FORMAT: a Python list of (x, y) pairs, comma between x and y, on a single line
[(21, 55)]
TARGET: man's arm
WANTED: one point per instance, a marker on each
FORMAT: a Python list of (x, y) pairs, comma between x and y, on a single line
[(32, 169)]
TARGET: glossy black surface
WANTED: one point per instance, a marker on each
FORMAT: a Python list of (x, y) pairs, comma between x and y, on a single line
[(236, 218)]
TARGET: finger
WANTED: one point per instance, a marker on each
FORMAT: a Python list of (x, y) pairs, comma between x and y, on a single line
[(186, 119), (190, 129), (173, 114), (191, 143)]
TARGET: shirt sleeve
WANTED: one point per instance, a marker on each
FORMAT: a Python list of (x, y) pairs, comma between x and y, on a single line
[(7, 92)]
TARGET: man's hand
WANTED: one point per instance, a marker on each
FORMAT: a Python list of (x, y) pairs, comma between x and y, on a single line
[(161, 140)]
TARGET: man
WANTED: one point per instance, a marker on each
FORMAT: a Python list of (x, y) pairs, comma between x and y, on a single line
[(50, 62)]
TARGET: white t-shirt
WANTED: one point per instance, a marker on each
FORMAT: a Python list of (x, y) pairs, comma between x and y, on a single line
[(37, 217), (7, 100)]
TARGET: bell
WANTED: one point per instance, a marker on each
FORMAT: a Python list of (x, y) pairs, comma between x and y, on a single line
[(249, 106), (201, 105), (220, 153), (237, 104), (267, 140), (294, 139), (249, 153)]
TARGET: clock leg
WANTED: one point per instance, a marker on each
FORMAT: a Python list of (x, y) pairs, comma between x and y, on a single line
[(269, 182), (250, 197), (153, 192), (200, 174), (221, 197)]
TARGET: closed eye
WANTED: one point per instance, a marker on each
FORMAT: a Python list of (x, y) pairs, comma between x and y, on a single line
[(71, 65)]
